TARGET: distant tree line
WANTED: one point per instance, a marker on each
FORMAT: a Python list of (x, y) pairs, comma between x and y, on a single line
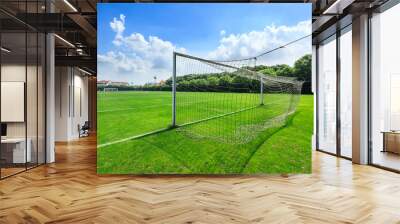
[(230, 82)]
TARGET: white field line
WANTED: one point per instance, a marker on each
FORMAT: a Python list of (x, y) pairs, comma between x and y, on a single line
[(132, 137), (185, 124), (165, 129)]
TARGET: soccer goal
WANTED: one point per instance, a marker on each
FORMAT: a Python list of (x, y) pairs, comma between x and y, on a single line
[(110, 89), (228, 101)]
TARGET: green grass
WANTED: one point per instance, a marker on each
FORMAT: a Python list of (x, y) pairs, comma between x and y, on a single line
[(125, 114), (280, 149)]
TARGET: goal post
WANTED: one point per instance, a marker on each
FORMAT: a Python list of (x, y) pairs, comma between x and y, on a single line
[(225, 101), (110, 89), (261, 91), (174, 90)]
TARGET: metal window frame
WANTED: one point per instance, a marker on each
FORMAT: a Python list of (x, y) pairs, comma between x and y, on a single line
[(337, 34), (338, 94)]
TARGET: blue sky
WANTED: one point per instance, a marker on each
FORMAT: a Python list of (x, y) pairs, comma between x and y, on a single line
[(135, 39)]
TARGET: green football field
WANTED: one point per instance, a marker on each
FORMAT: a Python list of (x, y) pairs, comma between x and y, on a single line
[(279, 149)]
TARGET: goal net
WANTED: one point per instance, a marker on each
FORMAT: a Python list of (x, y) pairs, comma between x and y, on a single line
[(228, 101), (110, 89)]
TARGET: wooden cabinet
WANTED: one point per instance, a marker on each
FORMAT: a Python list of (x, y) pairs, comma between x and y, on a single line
[(13, 151), (391, 142)]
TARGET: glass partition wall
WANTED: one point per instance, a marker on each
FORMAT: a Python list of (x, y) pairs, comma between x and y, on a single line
[(13, 89), (22, 77), (327, 95), (385, 89), (334, 94), (345, 61)]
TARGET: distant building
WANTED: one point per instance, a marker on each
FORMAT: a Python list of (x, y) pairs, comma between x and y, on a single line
[(119, 83), (111, 83), (103, 82)]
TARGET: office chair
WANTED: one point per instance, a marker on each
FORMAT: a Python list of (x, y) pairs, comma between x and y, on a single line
[(84, 130)]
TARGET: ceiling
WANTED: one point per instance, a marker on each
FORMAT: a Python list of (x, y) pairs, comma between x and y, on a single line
[(75, 22), (330, 15)]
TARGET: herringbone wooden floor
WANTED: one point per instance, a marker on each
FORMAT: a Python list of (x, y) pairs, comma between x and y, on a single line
[(69, 191)]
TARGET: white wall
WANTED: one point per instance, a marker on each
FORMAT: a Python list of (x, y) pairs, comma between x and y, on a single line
[(14, 72), (80, 104), (71, 87), (62, 83)]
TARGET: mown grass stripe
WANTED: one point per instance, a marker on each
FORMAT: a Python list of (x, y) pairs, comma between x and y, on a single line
[(219, 116)]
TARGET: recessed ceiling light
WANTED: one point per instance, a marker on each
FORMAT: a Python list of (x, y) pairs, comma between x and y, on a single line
[(70, 5), (86, 72), (5, 50), (337, 7), (64, 40)]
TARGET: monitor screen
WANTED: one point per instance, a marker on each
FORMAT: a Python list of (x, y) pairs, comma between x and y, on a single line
[(3, 129)]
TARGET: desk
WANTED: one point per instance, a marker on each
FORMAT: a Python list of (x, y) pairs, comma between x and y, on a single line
[(15, 148), (391, 141)]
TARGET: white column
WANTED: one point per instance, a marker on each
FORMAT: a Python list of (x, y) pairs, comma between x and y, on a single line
[(50, 92), (360, 90), (50, 99)]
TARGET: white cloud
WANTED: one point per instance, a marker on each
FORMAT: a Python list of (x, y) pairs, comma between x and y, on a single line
[(136, 58), (244, 45), (118, 26), (124, 63)]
